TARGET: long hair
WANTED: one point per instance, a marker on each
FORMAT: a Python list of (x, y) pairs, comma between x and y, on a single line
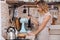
[(43, 5)]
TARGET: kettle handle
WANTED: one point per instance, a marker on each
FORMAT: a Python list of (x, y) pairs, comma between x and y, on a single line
[(12, 28)]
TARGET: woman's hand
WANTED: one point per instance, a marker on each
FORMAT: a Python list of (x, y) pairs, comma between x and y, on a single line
[(29, 17), (31, 34)]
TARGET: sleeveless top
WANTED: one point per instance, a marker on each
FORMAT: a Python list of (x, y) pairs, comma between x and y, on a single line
[(42, 17), (44, 35)]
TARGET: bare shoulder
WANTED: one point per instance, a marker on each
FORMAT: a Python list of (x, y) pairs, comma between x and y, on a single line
[(47, 16), (48, 13)]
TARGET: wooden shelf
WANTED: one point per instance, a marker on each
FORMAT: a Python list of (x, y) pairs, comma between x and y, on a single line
[(53, 3), (27, 4)]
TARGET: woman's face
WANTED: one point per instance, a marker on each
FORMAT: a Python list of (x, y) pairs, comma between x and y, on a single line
[(39, 9)]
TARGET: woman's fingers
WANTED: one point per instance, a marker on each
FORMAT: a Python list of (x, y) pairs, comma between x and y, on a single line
[(31, 34)]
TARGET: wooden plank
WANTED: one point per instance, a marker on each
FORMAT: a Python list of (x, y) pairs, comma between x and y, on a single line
[(12, 1)]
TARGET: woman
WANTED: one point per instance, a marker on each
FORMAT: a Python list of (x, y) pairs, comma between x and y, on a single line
[(44, 20)]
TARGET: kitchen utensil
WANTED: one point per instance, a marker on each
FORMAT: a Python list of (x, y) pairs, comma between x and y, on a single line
[(23, 21), (11, 33)]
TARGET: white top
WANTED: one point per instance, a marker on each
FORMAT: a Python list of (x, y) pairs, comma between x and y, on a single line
[(41, 18), (44, 34)]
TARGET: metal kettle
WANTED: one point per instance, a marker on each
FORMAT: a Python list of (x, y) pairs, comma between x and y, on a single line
[(11, 33)]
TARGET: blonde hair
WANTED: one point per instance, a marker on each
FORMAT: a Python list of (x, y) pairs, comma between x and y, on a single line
[(44, 6)]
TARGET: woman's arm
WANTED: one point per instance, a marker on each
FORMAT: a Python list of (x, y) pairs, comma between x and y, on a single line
[(34, 20), (42, 26)]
